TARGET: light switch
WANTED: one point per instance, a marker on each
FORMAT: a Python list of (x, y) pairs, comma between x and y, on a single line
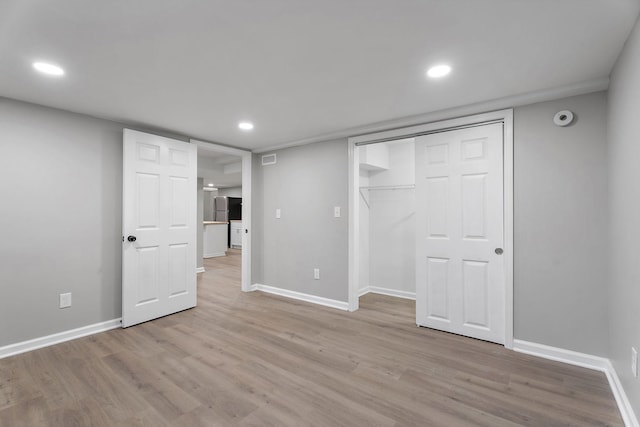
[(65, 300), (277, 213), (336, 211)]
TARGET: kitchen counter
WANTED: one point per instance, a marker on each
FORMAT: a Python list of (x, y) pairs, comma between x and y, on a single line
[(214, 242)]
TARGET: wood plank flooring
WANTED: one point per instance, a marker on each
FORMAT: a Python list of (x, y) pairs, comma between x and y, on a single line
[(259, 360)]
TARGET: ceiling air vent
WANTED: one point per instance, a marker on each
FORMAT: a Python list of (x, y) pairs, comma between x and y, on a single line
[(268, 159)]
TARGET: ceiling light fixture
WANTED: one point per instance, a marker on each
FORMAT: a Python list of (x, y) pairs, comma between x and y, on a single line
[(46, 68), (245, 125), (210, 185), (438, 71)]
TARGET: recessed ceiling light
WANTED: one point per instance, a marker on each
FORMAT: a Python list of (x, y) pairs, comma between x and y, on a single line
[(210, 185), (47, 68), (245, 125), (439, 71)]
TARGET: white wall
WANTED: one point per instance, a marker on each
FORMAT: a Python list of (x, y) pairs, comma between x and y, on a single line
[(230, 192), (61, 216), (392, 223), (306, 183), (560, 225), (624, 201), (401, 165)]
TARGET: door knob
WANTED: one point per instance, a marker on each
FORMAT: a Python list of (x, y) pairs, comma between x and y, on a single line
[(499, 251), (131, 238)]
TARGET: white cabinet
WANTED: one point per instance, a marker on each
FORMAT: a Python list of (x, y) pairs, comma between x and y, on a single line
[(236, 234)]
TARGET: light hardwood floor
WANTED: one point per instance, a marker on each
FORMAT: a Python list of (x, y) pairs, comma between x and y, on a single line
[(260, 360)]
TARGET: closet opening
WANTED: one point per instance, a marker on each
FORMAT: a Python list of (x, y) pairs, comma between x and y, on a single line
[(387, 219)]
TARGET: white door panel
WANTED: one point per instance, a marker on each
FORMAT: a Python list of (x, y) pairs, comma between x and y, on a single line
[(159, 209), (460, 279)]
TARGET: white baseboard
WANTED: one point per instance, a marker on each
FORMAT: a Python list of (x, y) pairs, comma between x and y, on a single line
[(340, 305), (363, 291), (629, 417), (199, 270), (36, 343), (392, 292), (214, 255), (586, 361), (561, 355)]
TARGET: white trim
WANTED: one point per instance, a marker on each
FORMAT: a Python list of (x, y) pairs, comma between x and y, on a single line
[(247, 164), (46, 341), (214, 255), (340, 305), (626, 410), (388, 292), (409, 131), (200, 269), (354, 226), (508, 177), (566, 91), (506, 116), (588, 361), (560, 355)]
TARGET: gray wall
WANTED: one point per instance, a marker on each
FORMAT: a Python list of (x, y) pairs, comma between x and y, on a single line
[(61, 216), (200, 226), (560, 225), (624, 202), (306, 183)]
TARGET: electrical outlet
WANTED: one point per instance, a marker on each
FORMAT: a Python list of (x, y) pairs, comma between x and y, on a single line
[(277, 213), (316, 274), (634, 362), (65, 300), (336, 211)]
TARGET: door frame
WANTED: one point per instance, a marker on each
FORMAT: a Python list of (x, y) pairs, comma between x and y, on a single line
[(504, 116), (247, 162)]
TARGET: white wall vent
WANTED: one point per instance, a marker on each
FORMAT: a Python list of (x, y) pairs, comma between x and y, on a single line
[(268, 159)]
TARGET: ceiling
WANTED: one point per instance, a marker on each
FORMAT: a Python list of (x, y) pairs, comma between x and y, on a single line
[(218, 168), (298, 69)]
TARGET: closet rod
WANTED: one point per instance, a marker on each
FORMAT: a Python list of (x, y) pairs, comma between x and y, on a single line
[(429, 132), (389, 187)]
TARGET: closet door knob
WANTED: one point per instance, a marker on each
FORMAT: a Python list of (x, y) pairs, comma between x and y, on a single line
[(499, 251), (131, 238)]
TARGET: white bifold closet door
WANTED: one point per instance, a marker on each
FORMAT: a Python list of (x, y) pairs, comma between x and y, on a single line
[(460, 271), (159, 227)]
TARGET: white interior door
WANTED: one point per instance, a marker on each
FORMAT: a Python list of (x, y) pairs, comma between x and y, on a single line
[(460, 270), (159, 227)]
